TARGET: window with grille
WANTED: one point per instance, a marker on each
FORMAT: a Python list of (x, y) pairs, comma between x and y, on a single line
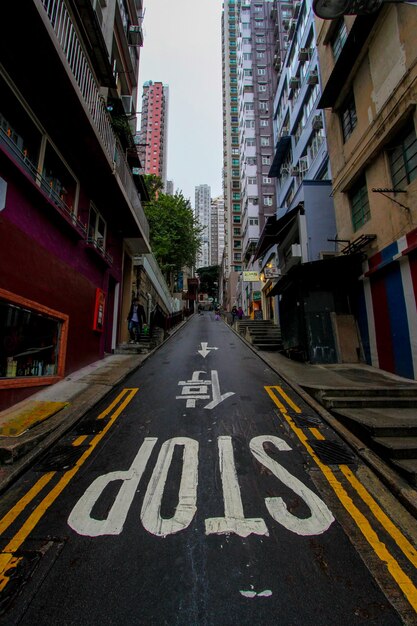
[(348, 116), (359, 203), (339, 39), (403, 158)]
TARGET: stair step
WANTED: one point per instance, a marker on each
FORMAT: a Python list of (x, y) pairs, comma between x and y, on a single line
[(334, 402), (381, 422), (397, 447), (408, 467), (395, 390), (269, 346)]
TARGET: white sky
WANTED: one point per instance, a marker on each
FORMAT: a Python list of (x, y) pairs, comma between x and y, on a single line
[(182, 49)]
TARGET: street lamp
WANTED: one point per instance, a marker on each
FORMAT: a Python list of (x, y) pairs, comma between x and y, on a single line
[(332, 9)]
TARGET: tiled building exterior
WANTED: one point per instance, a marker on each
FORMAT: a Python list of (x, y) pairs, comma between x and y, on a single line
[(369, 77), (153, 136)]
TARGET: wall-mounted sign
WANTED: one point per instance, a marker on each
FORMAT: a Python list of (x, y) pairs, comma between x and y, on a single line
[(250, 277), (99, 305), (256, 296), (271, 272)]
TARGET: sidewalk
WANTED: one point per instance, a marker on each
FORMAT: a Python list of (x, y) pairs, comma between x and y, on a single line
[(82, 390)]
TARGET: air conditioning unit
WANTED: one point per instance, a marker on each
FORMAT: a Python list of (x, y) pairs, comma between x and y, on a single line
[(317, 122), (313, 78), (292, 256), (135, 36), (294, 82), (127, 102), (303, 54)]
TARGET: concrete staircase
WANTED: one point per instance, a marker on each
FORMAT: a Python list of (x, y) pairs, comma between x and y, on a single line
[(385, 418), (263, 334), (145, 345)]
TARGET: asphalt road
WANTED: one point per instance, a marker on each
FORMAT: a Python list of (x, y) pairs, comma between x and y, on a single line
[(192, 497)]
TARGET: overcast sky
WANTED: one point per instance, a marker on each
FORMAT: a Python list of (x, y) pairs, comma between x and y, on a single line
[(182, 49)]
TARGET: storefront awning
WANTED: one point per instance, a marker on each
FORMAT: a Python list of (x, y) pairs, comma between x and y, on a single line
[(275, 230), (321, 274), (281, 148)]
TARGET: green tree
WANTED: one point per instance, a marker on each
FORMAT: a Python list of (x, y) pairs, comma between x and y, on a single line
[(175, 235), (209, 280)]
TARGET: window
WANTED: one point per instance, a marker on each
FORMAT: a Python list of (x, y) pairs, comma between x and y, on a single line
[(403, 158), (96, 229), (261, 71), (251, 180), (267, 200), (253, 221), (236, 232), (359, 203), (264, 123), (263, 105), (266, 179), (339, 39), (262, 87), (266, 160), (264, 141), (33, 338), (236, 219), (348, 116)]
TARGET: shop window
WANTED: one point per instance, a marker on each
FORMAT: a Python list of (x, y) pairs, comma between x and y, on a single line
[(32, 340)]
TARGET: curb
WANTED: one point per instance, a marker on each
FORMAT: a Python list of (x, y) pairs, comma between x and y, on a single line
[(401, 489)]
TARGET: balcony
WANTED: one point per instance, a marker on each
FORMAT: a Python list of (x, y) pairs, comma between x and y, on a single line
[(96, 246)]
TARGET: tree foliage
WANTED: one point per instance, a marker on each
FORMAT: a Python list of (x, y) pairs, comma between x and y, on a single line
[(209, 280), (175, 235)]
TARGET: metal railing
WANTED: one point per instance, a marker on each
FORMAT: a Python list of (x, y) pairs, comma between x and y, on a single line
[(66, 34)]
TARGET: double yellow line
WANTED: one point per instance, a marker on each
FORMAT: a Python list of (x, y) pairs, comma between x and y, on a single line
[(8, 560), (282, 400)]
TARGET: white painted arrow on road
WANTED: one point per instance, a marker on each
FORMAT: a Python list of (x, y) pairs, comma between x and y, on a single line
[(205, 350)]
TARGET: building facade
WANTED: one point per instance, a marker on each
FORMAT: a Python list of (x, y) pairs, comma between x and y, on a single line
[(217, 232), (257, 78), (369, 77), (153, 136), (70, 197), (202, 212), (232, 262)]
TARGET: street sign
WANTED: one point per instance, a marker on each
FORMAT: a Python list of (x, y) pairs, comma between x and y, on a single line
[(250, 277)]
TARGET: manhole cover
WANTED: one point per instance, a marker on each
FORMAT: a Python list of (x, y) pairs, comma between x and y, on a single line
[(332, 452), (61, 458)]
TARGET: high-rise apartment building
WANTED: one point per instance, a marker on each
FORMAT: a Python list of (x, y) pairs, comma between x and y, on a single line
[(257, 80), (202, 212), (232, 261), (217, 233), (153, 148)]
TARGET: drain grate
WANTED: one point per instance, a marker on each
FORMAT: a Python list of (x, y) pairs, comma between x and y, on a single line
[(332, 452), (306, 421), (90, 427), (61, 458)]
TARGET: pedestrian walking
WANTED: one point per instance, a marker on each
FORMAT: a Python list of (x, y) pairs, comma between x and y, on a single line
[(135, 319), (239, 313), (234, 314)]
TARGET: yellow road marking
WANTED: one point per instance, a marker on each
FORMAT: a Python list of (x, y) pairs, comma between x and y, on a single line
[(401, 578), (7, 559), (317, 434), (14, 512), (77, 442)]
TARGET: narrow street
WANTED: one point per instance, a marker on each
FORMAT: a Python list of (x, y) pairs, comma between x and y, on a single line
[(204, 492)]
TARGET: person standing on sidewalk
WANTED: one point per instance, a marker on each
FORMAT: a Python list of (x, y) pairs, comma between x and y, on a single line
[(135, 319)]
